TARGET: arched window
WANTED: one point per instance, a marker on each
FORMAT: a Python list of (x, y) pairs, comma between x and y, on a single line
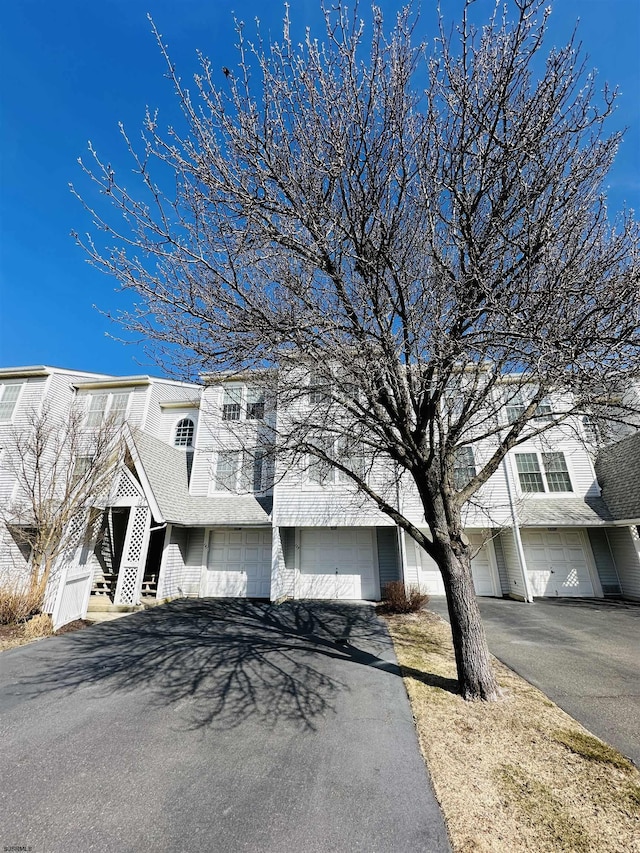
[(184, 433)]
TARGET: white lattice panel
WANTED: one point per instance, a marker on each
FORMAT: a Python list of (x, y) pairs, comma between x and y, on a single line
[(128, 584), (127, 488), (132, 566)]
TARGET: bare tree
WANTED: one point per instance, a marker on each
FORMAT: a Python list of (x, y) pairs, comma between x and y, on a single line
[(62, 470), (423, 231)]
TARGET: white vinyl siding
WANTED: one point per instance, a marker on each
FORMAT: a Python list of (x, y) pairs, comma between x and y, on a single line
[(625, 548)]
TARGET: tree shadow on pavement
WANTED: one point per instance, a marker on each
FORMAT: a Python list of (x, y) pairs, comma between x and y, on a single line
[(230, 659)]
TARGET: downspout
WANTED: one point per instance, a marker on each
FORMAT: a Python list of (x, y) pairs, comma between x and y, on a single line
[(401, 541), (516, 534)]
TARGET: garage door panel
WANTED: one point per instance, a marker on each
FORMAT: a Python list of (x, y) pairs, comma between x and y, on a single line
[(337, 564), (482, 568), (557, 563), (239, 563)]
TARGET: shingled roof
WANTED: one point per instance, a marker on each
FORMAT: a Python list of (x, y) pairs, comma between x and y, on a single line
[(165, 468), (564, 512), (618, 472)]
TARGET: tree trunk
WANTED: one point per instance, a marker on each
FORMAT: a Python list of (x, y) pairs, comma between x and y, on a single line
[(475, 673)]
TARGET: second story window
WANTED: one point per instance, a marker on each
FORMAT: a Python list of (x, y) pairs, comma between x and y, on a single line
[(255, 404), (554, 468), (240, 472), (464, 466), (243, 403), (107, 405), (184, 433), (9, 394), (231, 404), (515, 407)]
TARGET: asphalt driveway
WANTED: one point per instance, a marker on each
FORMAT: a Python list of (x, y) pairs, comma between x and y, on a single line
[(214, 725), (583, 653)]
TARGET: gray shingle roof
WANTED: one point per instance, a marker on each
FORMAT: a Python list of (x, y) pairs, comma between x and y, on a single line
[(618, 472), (166, 470), (564, 512)]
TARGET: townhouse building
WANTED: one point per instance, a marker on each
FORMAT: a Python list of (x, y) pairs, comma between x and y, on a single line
[(199, 505)]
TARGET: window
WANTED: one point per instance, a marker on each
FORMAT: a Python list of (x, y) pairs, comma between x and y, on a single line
[(555, 469), (104, 405), (544, 411), (255, 404), (530, 472), (231, 404), (590, 429), (351, 454), (118, 408), (9, 394), (227, 470), (317, 389), (515, 407), (464, 466), (243, 403), (347, 451), (257, 470), (184, 433), (239, 472), (81, 467)]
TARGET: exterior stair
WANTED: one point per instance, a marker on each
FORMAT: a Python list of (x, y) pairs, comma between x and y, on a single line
[(101, 609)]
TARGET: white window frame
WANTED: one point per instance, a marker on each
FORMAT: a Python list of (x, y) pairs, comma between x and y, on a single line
[(178, 426), (107, 410), (320, 474), (541, 462), (3, 390), (464, 469), (247, 402), (246, 475)]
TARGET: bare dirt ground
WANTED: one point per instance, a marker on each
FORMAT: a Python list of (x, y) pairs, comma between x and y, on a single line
[(515, 775), (12, 636)]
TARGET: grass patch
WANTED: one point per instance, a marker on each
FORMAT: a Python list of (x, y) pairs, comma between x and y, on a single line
[(589, 747), (515, 775), (555, 826)]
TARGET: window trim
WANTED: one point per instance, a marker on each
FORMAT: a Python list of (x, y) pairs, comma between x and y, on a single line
[(248, 466), (249, 401), (189, 444), (543, 472), (9, 384), (462, 468), (107, 410)]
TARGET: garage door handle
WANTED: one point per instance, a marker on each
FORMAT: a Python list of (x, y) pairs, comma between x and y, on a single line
[(552, 571)]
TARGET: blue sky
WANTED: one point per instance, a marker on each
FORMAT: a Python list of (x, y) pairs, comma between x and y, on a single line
[(71, 70)]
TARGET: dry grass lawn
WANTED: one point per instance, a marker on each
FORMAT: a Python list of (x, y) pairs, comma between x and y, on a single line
[(516, 775)]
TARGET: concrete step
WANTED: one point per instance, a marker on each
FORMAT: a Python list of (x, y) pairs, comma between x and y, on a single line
[(104, 617), (99, 604)]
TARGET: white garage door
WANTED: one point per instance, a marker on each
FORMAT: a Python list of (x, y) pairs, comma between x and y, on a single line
[(483, 568), (557, 563), (337, 563), (239, 563)]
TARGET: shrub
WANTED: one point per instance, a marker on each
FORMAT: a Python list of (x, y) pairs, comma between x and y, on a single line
[(17, 604), (398, 599), (38, 626)]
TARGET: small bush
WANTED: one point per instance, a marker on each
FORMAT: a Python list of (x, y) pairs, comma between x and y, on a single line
[(398, 599), (38, 626), (18, 604)]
